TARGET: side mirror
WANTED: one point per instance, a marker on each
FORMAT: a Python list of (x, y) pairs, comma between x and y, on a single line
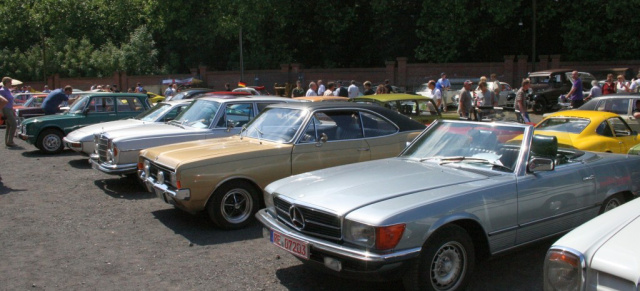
[(85, 111), (540, 165), (323, 139), (230, 125)]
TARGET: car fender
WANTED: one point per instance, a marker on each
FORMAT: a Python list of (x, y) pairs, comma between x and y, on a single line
[(452, 219)]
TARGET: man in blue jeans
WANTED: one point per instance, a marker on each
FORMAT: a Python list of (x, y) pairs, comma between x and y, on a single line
[(7, 112), (55, 98)]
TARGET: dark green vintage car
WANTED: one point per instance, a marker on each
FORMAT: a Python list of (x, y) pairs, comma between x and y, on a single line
[(46, 132), (416, 107)]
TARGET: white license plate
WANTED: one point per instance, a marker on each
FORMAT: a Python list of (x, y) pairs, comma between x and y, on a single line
[(294, 246)]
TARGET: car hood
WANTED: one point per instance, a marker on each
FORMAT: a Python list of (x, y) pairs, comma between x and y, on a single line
[(361, 184), (54, 117), (620, 253), (85, 134), (222, 150)]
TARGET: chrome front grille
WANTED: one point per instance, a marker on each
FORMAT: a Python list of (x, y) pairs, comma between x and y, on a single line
[(102, 146), (155, 171), (316, 223)]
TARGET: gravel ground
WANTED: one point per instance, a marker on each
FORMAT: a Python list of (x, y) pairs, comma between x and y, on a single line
[(64, 225)]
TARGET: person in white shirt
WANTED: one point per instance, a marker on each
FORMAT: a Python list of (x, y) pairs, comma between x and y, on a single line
[(312, 89), (321, 88), (595, 91), (622, 86), (329, 91), (353, 90), (169, 92), (436, 94), (635, 84)]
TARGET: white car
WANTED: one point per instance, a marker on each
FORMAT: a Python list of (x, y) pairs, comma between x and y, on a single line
[(82, 139), (601, 254)]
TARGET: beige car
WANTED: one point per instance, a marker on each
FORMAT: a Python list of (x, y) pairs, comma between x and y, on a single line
[(225, 176)]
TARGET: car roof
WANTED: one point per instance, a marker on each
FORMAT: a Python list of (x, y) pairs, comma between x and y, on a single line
[(172, 102), (405, 123), (393, 97), (116, 94), (246, 98), (617, 96), (546, 72), (583, 114)]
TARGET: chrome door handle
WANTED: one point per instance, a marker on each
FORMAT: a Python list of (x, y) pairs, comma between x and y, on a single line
[(588, 178), (363, 149)]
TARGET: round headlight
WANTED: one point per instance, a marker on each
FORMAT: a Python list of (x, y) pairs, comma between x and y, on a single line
[(563, 270)]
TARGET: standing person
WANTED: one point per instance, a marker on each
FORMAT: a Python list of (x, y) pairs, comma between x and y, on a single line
[(340, 90), (436, 94), (622, 86), (139, 88), (595, 91), (329, 91), (464, 105), (298, 91), (443, 83), (46, 89), (381, 89), (575, 94), (367, 88), (520, 98), (312, 89), (636, 110), (497, 87), (115, 89), (169, 92), (353, 89), (7, 112), (388, 86), (227, 87), (485, 97), (55, 98), (609, 86), (321, 88)]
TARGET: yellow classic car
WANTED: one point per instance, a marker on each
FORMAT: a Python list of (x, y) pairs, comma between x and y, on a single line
[(589, 130), (155, 98), (225, 176), (417, 107)]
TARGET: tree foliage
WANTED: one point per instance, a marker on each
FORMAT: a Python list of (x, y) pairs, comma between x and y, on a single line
[(84, 38)]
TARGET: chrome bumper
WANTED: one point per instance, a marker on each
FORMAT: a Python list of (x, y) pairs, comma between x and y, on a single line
[(162, 191), (114, 169), (358, 255), (74, 145)]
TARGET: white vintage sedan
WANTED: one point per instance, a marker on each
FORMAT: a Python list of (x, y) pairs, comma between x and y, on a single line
[(82, 139), (601, 254)]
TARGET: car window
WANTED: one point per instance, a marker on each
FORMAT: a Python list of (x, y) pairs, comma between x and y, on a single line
[(375, 125), (171, 115), (563, 124), (129, 104), (620, 128), (237, 114), (590, 105), (336, 125), (263, 105), (604, 129), (101, 104), (615, 105)]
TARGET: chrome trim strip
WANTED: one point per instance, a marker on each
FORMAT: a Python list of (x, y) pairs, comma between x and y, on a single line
[(114, 169)]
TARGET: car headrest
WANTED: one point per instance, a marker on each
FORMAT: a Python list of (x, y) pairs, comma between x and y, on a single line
[(544, 146)]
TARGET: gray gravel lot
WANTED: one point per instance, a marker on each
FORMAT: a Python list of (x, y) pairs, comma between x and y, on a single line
[(64, 225)]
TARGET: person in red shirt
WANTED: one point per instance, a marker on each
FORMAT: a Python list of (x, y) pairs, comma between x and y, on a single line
[(609, 86)]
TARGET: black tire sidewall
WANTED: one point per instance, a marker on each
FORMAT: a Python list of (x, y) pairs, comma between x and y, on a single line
[(539, 107), (43, 134), (213, 205), (619, 197), (418, 277)]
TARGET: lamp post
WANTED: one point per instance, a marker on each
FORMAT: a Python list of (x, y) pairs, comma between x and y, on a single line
[(533, 38), (241, 60)]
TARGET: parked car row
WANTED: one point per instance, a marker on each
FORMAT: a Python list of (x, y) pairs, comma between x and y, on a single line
[(365, 188)]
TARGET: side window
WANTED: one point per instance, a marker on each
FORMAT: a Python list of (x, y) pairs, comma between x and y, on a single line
[(615, 105), (262, 106), (310, 134), (171, 115), (375, 125), (604, 129), (336, 125), (408, 108), (129, 104), (620, 128), (101, 104), (426, 108), (392, 105), (238, 114)]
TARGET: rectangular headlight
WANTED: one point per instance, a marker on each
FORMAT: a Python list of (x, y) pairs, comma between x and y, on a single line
[(359, 233)]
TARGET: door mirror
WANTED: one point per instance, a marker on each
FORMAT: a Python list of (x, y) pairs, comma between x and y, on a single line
[(86, 111), (323, 139), (540, 165)]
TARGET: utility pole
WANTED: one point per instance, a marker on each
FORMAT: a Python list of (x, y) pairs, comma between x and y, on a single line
[(241, 60), (533, 38)]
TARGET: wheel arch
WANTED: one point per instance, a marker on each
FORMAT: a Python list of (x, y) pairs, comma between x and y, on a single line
[(471, 224), (227, 180)]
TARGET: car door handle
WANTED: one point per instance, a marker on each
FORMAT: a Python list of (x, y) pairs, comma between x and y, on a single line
[(588, 178), (363, 149)]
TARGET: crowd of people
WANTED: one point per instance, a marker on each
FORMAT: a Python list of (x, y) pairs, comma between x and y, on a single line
[(340, 89)]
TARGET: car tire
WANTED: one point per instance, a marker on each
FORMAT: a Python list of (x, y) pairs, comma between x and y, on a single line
[(612, 202), (539, 107), (233, 205), (446, 261), (50, 141)]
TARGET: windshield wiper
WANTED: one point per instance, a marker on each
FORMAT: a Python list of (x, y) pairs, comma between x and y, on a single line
[(450, 160)]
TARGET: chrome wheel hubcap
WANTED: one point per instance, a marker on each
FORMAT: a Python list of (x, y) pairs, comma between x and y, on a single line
[(51, 142), (236, 205), (447, 266)]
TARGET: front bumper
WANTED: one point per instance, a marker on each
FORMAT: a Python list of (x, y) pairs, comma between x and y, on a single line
[(114, 169), (355, 262), (163, 192), (25, 137), (74, 145)]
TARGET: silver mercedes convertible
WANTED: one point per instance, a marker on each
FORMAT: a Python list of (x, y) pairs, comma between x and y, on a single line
[(460, 192)]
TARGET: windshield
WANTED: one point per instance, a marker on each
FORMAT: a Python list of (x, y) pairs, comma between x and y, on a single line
[(539, 80), (199, 114), (154, 113), (276, 124), (564, 124), (80, 104), (178, 96), (488, 146)]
